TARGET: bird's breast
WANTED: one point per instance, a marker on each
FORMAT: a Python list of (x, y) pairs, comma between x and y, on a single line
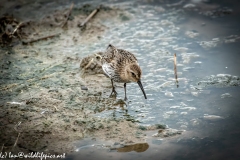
[(108, 70)]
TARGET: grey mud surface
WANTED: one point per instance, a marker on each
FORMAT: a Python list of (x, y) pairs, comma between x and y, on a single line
[(47, 102)]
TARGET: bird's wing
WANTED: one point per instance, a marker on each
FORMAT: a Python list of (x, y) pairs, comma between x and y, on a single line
[(127, 56), (110, 54)]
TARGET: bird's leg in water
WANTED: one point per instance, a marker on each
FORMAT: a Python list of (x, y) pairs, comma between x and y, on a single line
[(113, 89), (125, 91)]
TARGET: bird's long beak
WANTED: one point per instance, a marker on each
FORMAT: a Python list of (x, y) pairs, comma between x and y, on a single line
[(140, 85)]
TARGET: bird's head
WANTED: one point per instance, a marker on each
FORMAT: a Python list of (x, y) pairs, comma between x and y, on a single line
[(134, 74)]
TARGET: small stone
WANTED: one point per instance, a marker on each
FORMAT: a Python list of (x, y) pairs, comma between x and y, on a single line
[(160, 126), (142, 128), (84, 88), (116, 143)]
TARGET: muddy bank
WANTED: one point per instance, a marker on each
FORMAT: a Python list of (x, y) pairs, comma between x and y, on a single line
[(47, 101)]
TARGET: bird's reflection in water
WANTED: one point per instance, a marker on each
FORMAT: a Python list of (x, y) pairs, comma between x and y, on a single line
[(139, 147)]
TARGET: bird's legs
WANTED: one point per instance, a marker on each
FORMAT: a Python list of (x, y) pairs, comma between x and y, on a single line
[(113, 89), (125, 85)]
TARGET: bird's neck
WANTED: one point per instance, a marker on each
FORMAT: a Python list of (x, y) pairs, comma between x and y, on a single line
[(124, 74)]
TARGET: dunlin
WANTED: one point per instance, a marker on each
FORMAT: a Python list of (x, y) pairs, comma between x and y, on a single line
[(121, 66)]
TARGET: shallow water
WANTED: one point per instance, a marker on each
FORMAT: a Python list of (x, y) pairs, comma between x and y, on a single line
[(158, 36), (205, 37)]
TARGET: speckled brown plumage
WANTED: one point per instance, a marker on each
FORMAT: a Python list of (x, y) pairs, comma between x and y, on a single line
[(92, 64), (121, 66)]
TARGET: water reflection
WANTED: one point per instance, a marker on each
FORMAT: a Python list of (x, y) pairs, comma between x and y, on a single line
[(139, 147), (205, 37)]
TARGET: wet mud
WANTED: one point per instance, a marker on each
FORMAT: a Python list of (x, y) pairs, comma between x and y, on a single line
[(49, 94)]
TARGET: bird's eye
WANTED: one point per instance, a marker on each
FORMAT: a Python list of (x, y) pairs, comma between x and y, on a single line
[(98, 57), (133, 74)]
